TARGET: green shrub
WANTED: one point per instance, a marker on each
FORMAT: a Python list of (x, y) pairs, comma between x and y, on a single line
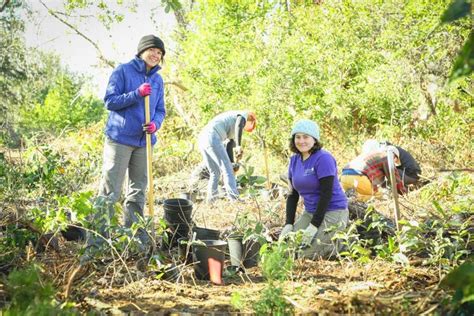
[(351, 65), (461, 280), (273, 302), (31, 295), (64, 107)]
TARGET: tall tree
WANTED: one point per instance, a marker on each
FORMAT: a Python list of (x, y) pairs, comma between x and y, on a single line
[(13, 68)]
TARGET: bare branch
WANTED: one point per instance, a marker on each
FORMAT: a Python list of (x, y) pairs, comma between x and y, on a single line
[(177, 84), (4, 5), (72, 27), (74, 16)]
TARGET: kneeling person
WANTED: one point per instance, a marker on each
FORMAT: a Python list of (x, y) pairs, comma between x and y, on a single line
[(368, 172), (312, 173)]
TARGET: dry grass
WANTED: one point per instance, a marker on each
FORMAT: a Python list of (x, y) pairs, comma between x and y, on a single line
[(317, 286)]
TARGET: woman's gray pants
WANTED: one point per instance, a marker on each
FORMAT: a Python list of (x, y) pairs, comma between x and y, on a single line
[(117, 159), (323, 246)]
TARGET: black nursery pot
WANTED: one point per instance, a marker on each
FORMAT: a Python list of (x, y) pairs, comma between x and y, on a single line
[(210, 252), (74, 233), (178, 210), (176, 232), (251, 252), (206, 233), (243, 254), (177, 213)]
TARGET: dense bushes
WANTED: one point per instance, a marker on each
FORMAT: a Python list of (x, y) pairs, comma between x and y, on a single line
[(355, 66), (65, 106), (38, 94)]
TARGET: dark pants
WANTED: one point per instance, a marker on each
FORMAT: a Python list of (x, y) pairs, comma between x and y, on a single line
[(408, 179)]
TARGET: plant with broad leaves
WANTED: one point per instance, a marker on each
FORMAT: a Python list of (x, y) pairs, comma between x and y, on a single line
[(461, 280)]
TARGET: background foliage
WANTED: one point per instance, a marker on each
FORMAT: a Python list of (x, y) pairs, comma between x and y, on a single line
[(354, 66), (37, 92)]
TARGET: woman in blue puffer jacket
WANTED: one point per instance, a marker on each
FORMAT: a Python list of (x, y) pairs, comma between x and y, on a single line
[(125, 144)]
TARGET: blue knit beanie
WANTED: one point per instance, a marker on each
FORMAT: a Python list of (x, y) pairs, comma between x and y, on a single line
[(308, 127)]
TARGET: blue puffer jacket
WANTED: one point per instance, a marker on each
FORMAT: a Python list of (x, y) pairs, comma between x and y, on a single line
[(127, 107)]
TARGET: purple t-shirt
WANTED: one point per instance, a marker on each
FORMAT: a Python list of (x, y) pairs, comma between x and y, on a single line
[(305, 175)]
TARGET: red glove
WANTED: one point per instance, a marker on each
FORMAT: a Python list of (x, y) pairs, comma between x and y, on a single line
[(144, 89), (150, 128)]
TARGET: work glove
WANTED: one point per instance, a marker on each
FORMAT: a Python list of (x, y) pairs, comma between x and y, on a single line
[(308, 236), (144, 89), (288, 228), (149, 128), (238, 152)]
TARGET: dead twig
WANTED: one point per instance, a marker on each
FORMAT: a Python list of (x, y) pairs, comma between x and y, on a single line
[(429, 310), (177, 84), (4, 5), (70, 280), (296, 305), (114, 250), (459, 169)]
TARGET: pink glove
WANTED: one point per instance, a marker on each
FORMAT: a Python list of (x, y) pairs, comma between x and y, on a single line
[(144, 89), (150, 128)]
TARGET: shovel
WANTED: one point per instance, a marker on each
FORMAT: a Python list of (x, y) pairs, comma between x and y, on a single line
[(151, 212), (393, 185)]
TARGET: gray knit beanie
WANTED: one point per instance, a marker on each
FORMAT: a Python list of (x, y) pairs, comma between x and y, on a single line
[(149, 41)]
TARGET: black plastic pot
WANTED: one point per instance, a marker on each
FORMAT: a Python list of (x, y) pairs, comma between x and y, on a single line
[(177, 213), (171, 274), (175, 232), (74, 233), (209, 255), (251, 253), (178, 210), (206, 233), (243, 254)]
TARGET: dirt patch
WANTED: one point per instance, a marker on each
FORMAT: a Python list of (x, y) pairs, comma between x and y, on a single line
[(317, 286)]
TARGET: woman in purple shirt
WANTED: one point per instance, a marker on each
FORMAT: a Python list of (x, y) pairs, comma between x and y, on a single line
[(312, 174)]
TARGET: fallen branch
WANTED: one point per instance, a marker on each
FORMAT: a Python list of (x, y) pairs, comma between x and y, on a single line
[(70, 280), (459, 169)]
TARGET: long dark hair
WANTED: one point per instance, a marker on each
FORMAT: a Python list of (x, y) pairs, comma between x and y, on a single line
[(317, 146)]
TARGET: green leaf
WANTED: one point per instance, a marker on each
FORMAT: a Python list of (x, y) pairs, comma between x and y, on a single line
[(456, 10), (464, 63), (468, 298), (439, 208), (260, 180), (461, 276), (176, 5)]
